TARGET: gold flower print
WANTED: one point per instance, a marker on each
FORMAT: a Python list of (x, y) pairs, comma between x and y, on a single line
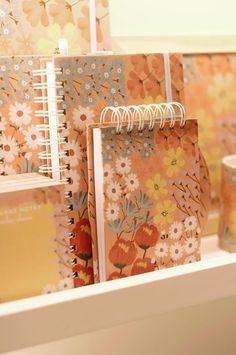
[(164, 213), (156, 187), (174, 161)]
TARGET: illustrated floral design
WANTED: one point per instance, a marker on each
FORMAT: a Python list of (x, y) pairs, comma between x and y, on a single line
[(89, 84), (35, 26), (212, 77), (153, 221), (19, 137)]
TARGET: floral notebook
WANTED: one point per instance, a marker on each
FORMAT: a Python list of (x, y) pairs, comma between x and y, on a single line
[(91, 83), (35, 26), (149, 198), (34, 242), (18, 134), (210, 95)]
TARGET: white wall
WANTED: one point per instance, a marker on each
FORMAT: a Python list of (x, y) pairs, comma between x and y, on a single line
[(172, 17)]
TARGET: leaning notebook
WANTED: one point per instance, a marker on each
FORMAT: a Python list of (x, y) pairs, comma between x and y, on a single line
[(83, 86), (149, 190), (34, 241)]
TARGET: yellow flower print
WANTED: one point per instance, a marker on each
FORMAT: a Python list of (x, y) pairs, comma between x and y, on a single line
[(174, 161), (206, 127), (164, 213), (156, 186), (232, 222), (159, 99), (213, 159), (222, 92), (49, 44)]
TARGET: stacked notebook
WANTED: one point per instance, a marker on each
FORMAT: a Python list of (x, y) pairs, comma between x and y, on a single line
[(34, 241)]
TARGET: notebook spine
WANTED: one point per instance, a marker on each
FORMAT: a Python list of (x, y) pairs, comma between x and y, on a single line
[(144, 115), (54, 156)]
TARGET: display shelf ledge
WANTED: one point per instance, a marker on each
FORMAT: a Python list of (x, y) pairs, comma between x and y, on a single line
[(65, 314)]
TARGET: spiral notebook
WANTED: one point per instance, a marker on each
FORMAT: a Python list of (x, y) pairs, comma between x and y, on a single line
[(82, 86), (149, 190), (19, 136), (34, 242)]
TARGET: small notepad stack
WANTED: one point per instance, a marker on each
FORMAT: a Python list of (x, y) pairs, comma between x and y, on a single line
[(34, 244)]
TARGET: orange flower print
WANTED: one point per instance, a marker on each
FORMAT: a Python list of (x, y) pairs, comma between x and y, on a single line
[(116, 275), (220, 64), (36, 12), (39, 196), (82, 240), (54, 195), (158, 67), (84, 25), (203, 63), (146, 236), (141, 266), (61, 11), (140, 64), (83, 275), (153, 87), (135, 86), (122, 253)]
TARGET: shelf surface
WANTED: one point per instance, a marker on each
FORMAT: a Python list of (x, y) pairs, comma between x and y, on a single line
[(65, 314)]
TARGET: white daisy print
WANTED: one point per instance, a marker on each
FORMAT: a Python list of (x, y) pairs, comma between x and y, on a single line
[(112, 212), (3, 123), (10, 148), (161, 250), (190, 223), (82, 116), (123, 165), (49, 289), (74, 153), (108, 173), (32, 135), (190, 259), (65, 284), (132, 182), (20, 114), (190, 245), (114, 191), (176, 251), (176, 230), (7, 169)]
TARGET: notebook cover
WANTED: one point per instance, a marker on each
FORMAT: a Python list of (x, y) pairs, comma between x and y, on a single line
[(90, 84), (210, 95), (17, 115), (155, 198), (35, 26), (34, 243)]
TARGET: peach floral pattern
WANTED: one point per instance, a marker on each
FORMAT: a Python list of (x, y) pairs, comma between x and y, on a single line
[(89, 84), (19, 136), (211, 96), (34, 26), (158, 223)]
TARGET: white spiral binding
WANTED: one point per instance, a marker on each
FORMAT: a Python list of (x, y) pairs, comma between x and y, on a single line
[(128, 116), (52, 120)]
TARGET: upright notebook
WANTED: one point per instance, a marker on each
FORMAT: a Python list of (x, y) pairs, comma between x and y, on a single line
[(211, 96), (19, 136), (148, 191), (84, 85), (34, 241)]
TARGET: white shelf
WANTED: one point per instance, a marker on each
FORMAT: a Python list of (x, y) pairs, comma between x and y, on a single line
[(65, 314)]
